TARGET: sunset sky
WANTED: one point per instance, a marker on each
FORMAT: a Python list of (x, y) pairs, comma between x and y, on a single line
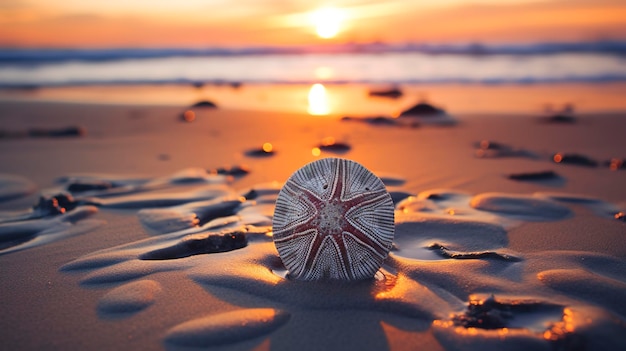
[(229, 23)]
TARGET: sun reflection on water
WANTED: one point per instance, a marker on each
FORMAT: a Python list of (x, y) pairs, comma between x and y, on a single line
[(318, 100), (324, 72)]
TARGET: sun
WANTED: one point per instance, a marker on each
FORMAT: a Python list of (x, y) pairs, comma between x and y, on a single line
[(327, 21)]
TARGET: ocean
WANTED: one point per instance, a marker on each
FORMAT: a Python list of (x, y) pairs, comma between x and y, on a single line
[(372, 63)]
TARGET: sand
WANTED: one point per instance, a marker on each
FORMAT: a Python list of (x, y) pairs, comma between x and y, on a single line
[(480, 261)]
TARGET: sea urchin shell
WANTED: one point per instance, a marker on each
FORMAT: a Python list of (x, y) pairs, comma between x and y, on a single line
[(334, 219)]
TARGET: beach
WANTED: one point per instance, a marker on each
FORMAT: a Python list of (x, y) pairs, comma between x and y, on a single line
[(504, 208), (290, 175)]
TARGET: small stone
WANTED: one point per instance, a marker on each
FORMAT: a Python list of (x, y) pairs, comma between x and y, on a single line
[(560, 119), (80, 186), (616, 164), (392, 93), (188, 116), (422, 109), (329, 144), (235, 171), (574, 159), (56, 204), (457, 255), (266, 150), (543, 175), (492, 149), (197, 244), (205, 104), (74, 131)]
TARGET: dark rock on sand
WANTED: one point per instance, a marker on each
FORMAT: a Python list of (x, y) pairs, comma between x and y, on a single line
[(235, 171), (74, 131), (422, 109), (543, 175), (616, 164), (457, 255), (55, 205), (382, 121), (392, 93), (491, 313), (491, 145), (564, 116), (80, 186), (205, 103), (437, 197), (560, 119), (266, 150), (492, 149), (251, 195), (259, 153), (197, 244), (67, 132), (574, 159), (427, 114), (329, 144)]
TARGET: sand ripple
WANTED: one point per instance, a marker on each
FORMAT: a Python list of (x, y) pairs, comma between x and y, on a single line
[(25, 234), (188, 215), (129, 298), (450, 248), (528, 207), (12, 187), (227, 328), (588, 286)]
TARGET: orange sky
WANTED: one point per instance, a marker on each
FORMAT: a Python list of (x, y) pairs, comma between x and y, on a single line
[(154, 23)]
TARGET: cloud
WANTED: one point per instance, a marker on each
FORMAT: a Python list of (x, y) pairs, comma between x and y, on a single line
[(255, 23)]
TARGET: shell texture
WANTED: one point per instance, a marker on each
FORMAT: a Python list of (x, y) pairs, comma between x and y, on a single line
[(333, 219)]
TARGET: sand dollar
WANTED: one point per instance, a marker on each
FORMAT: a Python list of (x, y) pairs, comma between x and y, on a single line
[(333, 219)]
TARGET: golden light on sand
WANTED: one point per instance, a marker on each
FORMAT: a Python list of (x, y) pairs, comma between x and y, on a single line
[(268, 147), (318, 100), (327, 21), (316, 151)]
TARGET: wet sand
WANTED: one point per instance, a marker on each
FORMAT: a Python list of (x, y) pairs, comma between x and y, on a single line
[(347, 99), (151, 256)]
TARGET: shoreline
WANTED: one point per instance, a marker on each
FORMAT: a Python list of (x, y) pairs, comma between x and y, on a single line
[(346, 99)]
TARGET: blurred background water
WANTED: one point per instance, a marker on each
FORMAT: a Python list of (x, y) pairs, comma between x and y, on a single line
[(523, 64)]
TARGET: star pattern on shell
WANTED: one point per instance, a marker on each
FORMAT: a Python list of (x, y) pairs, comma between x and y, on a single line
[(334, 219)]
